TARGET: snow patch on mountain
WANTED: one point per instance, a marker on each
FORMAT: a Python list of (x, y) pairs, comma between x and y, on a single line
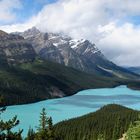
[(75, 42)]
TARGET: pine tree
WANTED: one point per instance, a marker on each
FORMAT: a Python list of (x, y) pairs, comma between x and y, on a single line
[(50, 129), (6, 129), (7, 126), (31, 134), (116, 129), (43, 120), (45, 127)]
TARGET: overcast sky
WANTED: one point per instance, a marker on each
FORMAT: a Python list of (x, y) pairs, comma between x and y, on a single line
[(113, 25)]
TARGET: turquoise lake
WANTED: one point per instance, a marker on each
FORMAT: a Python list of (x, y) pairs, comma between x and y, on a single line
[(69, 107)]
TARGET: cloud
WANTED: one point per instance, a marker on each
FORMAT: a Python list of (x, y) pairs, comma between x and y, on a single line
[(101, 21), (121, 43), (7, 7), (20, 27), (124, 7), (75, 17)]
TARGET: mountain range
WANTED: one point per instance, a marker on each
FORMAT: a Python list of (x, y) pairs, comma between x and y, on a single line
[(36, 66), (79, 54)]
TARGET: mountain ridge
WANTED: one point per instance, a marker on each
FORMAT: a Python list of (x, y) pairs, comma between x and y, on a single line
[(79, 54)]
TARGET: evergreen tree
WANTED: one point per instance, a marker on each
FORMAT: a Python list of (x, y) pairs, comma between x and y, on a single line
[(7, 126), (43, 120), (31, 134), (45, 129), (6, 132), (50, 129), (116, 129)]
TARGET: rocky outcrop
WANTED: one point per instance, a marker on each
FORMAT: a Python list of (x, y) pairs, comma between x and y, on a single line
[(15, 49)]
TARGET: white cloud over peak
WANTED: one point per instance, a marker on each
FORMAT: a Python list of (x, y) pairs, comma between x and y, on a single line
[(6, 10), (75, 17), (20, 27), (122, 44), (96, 20)]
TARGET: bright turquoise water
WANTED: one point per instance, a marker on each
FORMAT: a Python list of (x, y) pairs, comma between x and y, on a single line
[(64, 108)]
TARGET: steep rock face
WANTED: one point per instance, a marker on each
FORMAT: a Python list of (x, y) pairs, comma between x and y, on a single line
[(89, 50), (80, 54), (55, 48), (14, 49)]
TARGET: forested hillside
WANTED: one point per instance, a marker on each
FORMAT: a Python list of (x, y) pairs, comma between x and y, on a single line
[(108, 123), (39, 80)]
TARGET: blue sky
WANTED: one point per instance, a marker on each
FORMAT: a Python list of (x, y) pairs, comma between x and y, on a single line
[(134, 19), (26, 10), (113, 25), (31, 8)]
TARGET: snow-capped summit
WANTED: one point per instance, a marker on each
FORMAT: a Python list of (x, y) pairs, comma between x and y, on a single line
[(80, 54)]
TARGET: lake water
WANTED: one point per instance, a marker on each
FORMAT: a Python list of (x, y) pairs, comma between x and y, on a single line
[(79, 104)]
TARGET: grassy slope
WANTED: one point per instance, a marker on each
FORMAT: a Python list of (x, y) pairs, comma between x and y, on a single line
[(110, 122)]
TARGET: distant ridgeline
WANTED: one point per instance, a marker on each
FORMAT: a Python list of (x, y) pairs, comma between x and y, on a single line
[(108, 123), (41, 80)]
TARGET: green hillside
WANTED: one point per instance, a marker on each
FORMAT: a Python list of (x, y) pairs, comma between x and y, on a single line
[(108, 123), (39, 80)]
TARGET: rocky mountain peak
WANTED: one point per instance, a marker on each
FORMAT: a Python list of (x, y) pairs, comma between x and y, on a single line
[(30, 32), (2, 33)]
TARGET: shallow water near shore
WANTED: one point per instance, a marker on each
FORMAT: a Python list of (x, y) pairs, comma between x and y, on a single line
[(83, 102)]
